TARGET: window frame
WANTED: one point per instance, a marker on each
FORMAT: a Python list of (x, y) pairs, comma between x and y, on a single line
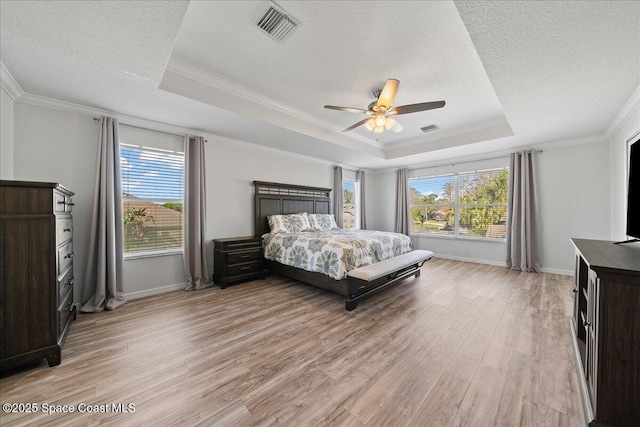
[(158, 252), (456, 205)]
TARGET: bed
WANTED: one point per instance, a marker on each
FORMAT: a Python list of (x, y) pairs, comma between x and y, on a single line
[(392, 261)]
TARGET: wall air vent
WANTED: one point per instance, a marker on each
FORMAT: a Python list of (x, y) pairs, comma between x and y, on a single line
[(276, 22), (429, 128)]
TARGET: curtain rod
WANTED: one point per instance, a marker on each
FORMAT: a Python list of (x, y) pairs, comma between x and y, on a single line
[(466, 161), (145, 128)]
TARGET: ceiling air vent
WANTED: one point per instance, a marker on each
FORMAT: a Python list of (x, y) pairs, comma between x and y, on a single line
[(429, 128), (276, 22)]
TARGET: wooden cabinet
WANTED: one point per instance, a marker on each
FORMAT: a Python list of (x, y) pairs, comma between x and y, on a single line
[(36, 270), (606, 330), (236, 259)]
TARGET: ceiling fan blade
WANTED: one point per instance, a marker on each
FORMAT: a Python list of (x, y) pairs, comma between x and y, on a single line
[(348, 109), (388, 93), (360, 123), (414, 108)]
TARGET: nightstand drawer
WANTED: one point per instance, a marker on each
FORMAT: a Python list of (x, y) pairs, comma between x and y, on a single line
[(244, 268), (244, 256)]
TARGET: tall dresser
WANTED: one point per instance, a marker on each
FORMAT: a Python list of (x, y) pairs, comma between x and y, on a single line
[(36, 270)]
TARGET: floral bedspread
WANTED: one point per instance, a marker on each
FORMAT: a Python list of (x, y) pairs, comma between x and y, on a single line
[(334, 252)]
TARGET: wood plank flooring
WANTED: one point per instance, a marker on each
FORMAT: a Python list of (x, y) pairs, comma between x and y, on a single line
[(462, 345)]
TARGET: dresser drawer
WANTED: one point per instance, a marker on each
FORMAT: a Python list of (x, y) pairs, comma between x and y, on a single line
[(65, 283), (61, 202), (244, 268), (64, 230), (64, 312), (244, 256), (65, 256)]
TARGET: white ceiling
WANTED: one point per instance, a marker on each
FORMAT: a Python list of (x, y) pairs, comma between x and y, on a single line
[(512, 73)]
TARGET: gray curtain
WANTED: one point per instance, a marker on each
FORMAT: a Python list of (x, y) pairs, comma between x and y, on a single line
[(403, 224), (195, 214), (524, 251), (363, 221), (103, 279), (337, 196)]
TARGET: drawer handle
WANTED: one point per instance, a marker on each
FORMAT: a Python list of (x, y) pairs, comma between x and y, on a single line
[(69, 229), (70, 281), (70, 306), (70, 255), (245, 256), (64, 202), (245, 268)]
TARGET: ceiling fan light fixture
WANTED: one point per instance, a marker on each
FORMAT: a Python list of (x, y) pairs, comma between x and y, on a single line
[(389, 122), (370, 124), (378, 129), (380, 120)]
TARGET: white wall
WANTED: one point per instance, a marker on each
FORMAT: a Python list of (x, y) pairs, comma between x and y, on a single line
[(6, 135), (574, 199), (56, 146), (619, 179), (381, 200)]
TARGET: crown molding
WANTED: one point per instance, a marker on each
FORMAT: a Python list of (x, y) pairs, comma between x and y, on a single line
[(489, 155), (625, 114), (223, 85), (125, 119), (9, 84)]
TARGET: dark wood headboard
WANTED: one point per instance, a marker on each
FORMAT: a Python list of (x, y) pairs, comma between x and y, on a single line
[(281, 199)]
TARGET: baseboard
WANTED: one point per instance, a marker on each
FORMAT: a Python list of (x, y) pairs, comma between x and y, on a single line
[(474, 260), (154, 291), (557, 271), (502, 264)]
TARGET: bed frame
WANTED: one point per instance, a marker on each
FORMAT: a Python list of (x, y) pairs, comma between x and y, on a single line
[(282, 199)]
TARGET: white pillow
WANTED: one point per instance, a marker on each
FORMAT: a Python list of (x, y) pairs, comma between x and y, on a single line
[(293, 223), (322, 222)]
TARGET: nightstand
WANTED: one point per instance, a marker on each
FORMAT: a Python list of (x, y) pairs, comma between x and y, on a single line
[(236, 259)]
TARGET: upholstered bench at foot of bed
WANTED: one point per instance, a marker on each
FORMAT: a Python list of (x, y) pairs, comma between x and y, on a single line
[(369, 279)]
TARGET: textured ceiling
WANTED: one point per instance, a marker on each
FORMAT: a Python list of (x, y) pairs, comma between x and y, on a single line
[(542, 71)]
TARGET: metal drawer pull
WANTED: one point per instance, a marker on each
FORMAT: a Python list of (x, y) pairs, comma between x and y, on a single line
[(245, 256), (69, 229), (245, 268), (64, 202), (71, 255)]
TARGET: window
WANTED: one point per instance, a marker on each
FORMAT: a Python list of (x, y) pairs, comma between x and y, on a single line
[(152, 199), (350, 203), (472, 204)]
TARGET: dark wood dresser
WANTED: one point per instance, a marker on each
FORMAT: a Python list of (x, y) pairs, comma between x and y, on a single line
[(36, 269), (236, 259), (606, 331)]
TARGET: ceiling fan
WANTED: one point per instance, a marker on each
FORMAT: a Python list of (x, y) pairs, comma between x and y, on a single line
[(381, 110)]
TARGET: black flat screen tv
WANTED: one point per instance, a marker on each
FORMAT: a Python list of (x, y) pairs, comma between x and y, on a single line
[(633, 200)]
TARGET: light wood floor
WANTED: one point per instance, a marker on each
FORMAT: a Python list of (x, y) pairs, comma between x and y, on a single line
[(464, 344)]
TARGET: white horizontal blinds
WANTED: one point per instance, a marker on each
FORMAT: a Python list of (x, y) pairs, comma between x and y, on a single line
[(153, 193), (431, 203)]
